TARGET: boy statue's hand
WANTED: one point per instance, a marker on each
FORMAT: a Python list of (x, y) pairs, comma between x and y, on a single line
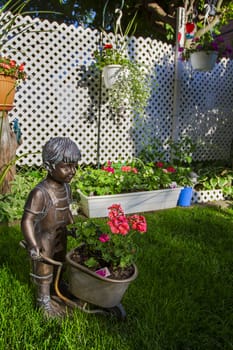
[(34, 253)]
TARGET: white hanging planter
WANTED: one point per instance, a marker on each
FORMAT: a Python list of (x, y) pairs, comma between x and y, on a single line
[(203, 61), (110, 74)]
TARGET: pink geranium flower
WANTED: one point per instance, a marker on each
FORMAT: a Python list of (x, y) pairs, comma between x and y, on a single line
[(138, 223), (119, 225), (114, 249)]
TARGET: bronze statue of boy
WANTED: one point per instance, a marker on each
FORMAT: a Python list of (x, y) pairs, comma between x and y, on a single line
[(46, 215)]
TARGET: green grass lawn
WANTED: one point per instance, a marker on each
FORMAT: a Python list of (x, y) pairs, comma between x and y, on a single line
[(182, 298)]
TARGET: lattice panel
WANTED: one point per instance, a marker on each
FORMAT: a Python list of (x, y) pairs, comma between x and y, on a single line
[(62, 95), (206, 110), (207, 196)]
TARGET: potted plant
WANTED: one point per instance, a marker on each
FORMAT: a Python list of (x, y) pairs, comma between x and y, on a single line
[(10, 75), (101, 268), (204, 52), (138, 187), (128, 81)]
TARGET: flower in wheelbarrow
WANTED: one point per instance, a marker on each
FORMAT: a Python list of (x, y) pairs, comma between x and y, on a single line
[(118, 222), (112, 244), (104, 238), (138, 223)]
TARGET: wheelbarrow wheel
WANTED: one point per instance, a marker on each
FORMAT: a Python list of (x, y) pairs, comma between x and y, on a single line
[(117, 311)]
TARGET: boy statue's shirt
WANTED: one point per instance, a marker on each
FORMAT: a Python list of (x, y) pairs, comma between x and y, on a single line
[(52, 214)]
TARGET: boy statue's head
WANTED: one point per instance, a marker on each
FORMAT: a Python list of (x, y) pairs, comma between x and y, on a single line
[(60, 149)]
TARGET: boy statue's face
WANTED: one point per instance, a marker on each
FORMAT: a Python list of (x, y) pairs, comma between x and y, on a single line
[(63, 172)]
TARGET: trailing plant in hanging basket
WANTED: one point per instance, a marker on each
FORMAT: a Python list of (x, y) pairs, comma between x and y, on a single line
[(132, 84)]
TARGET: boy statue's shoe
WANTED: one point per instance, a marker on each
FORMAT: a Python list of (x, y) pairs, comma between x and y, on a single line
[(51, 308)]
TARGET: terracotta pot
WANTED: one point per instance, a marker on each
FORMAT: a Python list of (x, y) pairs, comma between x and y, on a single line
[(203, 61), (93, 288), (7, 92), (110, 74)]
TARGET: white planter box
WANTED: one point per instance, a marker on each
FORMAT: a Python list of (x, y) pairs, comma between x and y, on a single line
[(136, 202), (207, 196)]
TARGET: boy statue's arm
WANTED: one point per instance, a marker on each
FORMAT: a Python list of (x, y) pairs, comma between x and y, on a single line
[(33, 208)]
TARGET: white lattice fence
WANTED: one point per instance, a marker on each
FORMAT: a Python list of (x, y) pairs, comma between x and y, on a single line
[(62, 93)]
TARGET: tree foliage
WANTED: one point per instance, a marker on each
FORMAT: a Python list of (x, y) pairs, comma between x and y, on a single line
[(155, 19)]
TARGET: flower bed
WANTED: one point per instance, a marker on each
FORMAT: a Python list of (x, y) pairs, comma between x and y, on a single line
[(138, 187)]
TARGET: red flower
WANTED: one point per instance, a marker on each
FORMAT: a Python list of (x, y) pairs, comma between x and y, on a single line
[(159, 164), (108, 169), (171, 169), (190, 27), (21, 67), (12, 63), (107, 46)]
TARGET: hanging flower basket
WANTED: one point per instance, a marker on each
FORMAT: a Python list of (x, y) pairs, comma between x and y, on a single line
[(110, 74), (203, 61), (7, 92)]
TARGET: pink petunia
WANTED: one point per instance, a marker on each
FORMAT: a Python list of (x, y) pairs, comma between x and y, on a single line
[(108, 169), (104, 237)]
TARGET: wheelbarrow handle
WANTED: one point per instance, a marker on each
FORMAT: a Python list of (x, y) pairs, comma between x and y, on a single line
[(51, 261), (23, 244)]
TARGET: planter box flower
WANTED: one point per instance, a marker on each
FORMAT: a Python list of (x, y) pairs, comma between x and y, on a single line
[(96, 206)]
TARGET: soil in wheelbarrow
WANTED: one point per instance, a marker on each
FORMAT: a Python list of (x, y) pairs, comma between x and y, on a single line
[(80, 256)]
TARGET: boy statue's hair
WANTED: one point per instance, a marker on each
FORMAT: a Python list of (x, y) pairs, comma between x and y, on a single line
[(60, 149)]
